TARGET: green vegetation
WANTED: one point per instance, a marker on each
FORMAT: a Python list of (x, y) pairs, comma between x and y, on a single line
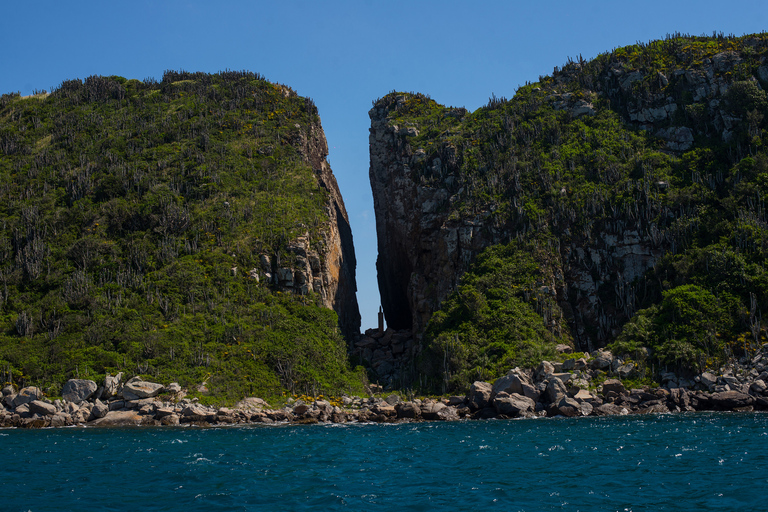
[(560, 163), (497, 319), (132, 212)]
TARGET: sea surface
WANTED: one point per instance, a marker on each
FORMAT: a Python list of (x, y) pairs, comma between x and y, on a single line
[(677, 462)]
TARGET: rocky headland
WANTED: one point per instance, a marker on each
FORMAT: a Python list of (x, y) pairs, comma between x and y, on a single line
[(626, 181)]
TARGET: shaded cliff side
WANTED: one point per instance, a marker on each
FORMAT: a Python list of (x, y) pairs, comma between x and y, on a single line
[(155, 228), (626, 176)]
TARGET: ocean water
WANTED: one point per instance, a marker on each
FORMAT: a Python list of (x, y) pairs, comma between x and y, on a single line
[(664, 462)]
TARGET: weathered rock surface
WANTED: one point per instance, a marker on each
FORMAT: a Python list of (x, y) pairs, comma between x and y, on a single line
[(111, 385), (613, 385), (121, 419), (137, 389), (99, 410), (78, 390), (388, 354), (513, 404), (512, 382), (26, 395), (42, 408), (479, 395)]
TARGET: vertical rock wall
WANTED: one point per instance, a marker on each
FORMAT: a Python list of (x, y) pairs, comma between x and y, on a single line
[(329, 269)]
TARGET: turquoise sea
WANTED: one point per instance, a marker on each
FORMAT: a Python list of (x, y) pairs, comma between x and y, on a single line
[(666, 462)]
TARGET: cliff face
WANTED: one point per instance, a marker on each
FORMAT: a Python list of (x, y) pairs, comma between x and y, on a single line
[(423, 251), (329, 269), (603, 160)]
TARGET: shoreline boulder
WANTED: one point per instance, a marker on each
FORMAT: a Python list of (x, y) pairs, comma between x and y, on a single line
[(78, 390), (138, 389)]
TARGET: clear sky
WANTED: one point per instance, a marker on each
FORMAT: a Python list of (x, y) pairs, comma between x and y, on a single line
[(344, 55)]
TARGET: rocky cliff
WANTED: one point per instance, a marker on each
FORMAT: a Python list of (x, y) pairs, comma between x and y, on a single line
[(155, 227), (616, 166), (329, 269)]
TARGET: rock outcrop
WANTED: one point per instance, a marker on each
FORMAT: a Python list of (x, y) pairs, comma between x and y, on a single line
[(422, 254), (328, 269), (425, 244)]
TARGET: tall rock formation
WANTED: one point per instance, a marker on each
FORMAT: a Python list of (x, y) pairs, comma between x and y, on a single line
[(423, 251), (331, 272), (593, 161)]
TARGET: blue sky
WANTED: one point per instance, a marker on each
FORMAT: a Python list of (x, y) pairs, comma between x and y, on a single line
[(344, 54)]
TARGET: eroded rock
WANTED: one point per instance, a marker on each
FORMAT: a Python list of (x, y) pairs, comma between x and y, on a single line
[(78, 390)]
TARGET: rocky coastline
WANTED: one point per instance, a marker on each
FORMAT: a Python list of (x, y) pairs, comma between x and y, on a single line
[(580, 386)]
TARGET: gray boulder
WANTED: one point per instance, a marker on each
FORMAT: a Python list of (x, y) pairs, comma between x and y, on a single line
[(576, 385), (708, 380), (162, 412), (432, 410), (758, 387), (27, 395), (545, 368), (574, 364), (448, 414), (653, 409), (8, 390), (569, 407), (513, 404), (78, 390), (610, 410), (602, 361), (121, 418), (136, 389), (625, 371), (111, 385), (555, 390), (479, 395), (392, 399), (407, 410), (729, 400), (171, 420), (42, 408), (8, 400), (250, 403), (613, 385), (61, 419), (99, 410), (197, 412), (532, 392), (586, 408), (512, 382)]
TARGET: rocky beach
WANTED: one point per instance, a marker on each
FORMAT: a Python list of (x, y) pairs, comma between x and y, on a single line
[(593, 385)]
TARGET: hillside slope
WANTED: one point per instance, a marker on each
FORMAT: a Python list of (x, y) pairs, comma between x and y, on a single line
[(628, 187), (189, 229)]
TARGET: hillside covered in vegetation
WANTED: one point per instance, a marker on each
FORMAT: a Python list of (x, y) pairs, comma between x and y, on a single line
[(619, 201), (188, 230)]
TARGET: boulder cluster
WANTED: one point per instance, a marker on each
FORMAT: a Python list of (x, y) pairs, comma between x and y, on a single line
[(84, 402), (574, 388), (580, 386)]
